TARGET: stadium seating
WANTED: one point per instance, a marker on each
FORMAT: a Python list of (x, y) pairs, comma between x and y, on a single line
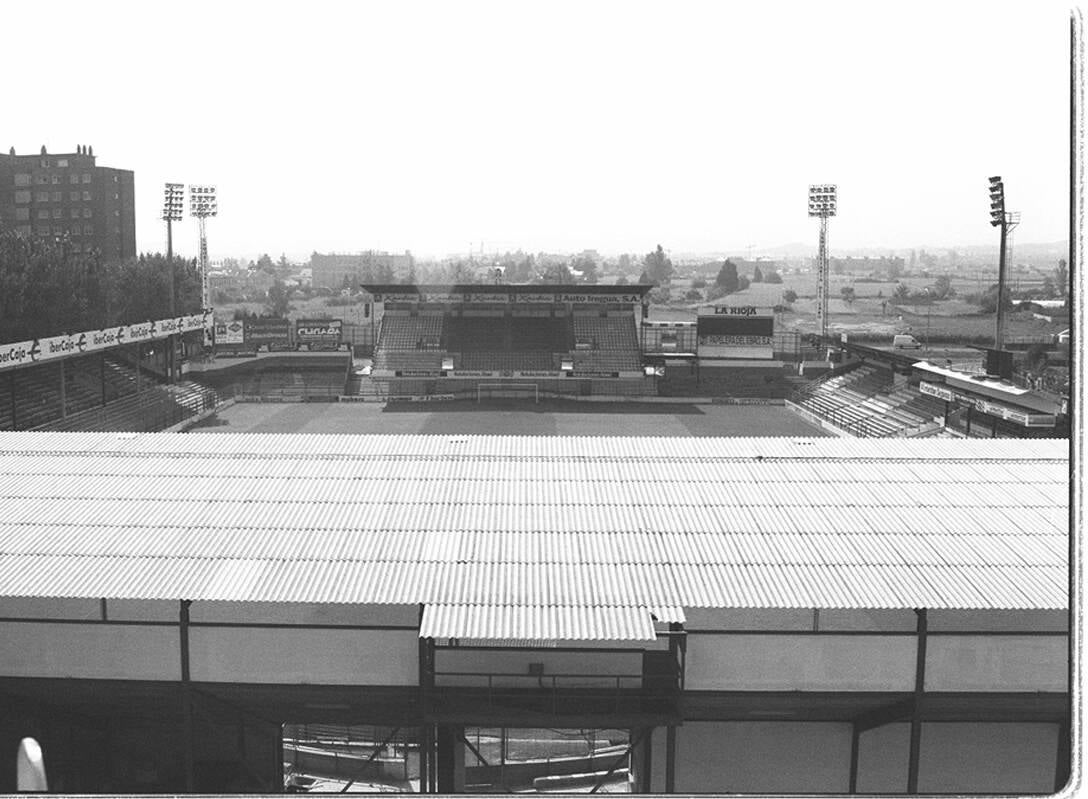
[(606, 332), (862, 400), (499, 361), (154, 408)]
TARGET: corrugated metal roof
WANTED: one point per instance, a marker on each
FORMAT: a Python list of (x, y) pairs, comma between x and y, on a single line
[(537, 525), (537, 622)]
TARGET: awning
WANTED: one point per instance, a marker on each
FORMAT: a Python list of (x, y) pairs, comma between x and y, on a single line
[(537, 622)]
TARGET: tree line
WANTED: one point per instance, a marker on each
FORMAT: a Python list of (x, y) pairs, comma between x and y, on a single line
[(48, 288)]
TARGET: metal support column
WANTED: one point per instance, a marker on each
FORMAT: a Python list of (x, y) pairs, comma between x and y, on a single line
[(1065, 753), (14, 405), (915, 717), (999, 333), (823, 268), (670, 759), (855, 741), (186, 698), (63, 390)]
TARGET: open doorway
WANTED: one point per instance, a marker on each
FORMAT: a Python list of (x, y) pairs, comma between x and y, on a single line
[(547, 760), (338, 758)]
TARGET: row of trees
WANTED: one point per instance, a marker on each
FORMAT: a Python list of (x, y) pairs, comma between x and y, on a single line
[(48, 287)]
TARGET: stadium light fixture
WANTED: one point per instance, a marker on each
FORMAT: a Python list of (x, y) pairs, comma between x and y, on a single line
[(202, 204), (823, 203), (997, 201), (173, 202)]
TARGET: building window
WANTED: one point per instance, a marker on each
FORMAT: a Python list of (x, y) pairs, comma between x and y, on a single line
[(88, 230), (22, 196), (23, 230), (115, 178), (58, 230), (41, 197), (22, 214), (75, 213), (43, 213), (86, 213), (41, 180), (22, 180), (45, 163), (73, 178), (43, 230), (86, 177), (117, 196), (86, 195), (75, 230), (56, 180), (58, 196), (73, 196), (58, 213), (62, 162)]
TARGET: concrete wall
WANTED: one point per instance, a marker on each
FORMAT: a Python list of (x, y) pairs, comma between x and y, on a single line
[(304, 613), (987, 758), (339, 657), (763, 757), (997, 663), (594, 668), (47, 608), (815, 663), (89, 651), (884, 759)]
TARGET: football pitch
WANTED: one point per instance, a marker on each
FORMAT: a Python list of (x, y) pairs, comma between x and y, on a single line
[(511, 417)]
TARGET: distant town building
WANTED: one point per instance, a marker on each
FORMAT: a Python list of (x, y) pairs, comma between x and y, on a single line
[(330, 271), (884, 266), (68, 194)]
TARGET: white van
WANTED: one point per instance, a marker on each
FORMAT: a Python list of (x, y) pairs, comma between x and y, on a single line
[(906, 343)]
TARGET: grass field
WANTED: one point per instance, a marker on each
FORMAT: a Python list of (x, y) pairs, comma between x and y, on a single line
[(512, 417)]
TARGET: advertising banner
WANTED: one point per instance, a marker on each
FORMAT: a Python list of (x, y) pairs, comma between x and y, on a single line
[(735, 333), (25, 353), (319, 333), (17, 353), (268, 330), (229, 332), (936, 391)]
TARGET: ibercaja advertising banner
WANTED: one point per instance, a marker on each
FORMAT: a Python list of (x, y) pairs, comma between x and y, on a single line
[(319, 334)]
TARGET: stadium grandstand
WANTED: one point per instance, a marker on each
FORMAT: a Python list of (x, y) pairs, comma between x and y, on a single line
[(127, 378), (241, 613), (462, 340)]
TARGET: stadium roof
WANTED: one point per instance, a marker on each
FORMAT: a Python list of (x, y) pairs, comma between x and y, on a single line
[(507, 289), (537, 537)]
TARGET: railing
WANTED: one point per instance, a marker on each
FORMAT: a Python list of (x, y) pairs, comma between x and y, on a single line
[(554, 694), (149, 411), (808, 389)]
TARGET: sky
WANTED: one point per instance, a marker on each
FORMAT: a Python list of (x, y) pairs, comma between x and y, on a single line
[(557, 126)]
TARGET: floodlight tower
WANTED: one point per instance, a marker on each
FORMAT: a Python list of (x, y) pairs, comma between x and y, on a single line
[(823, 204), (202, 204), (1007, 220), (173, 203)]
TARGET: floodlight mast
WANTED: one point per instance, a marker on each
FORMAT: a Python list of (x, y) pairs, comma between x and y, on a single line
[(173, 202), (1007, 220), (823, 204), (202, 204)]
